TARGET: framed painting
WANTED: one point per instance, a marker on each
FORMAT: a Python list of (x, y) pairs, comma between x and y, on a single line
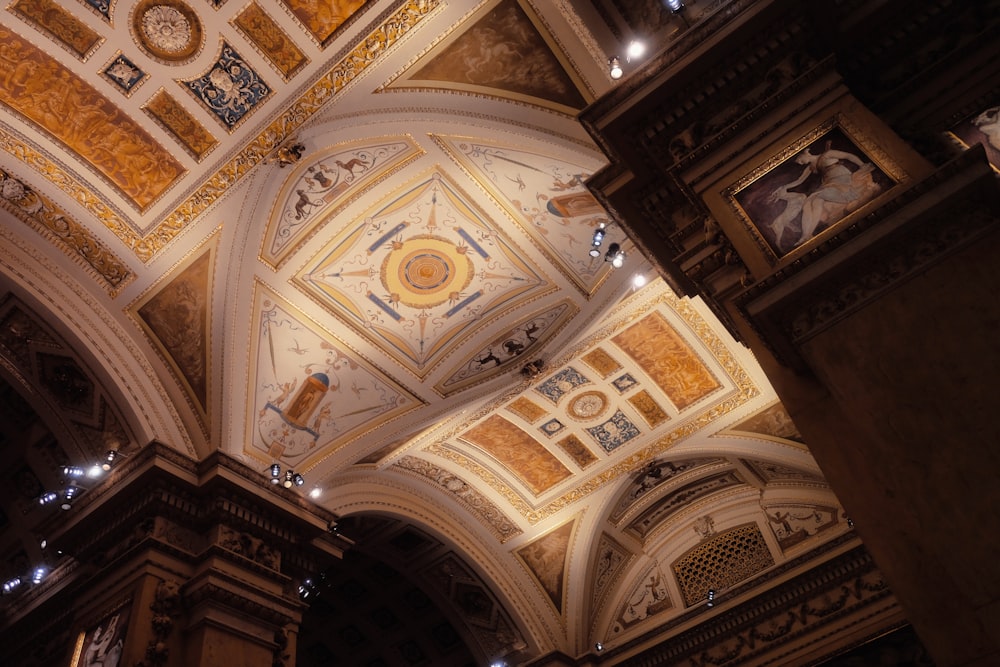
[(102, 643), (811, 187), (981, 128)]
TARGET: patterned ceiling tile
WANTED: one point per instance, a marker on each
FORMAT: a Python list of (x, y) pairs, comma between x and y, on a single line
[(310, 393), (561, 384), (514, 347), (492, 54), (51, 18), (647, 406), (353, 64), (551, 427), (325, 181), (547, 559), (527, 458), (601, 361), (668, 360), (167, 30), (615, 432), (102, 7), (184, 127), (578, 451), (119, 149), (268, 37), (624, 383), (588, 406), (420, 272), (526, 409), (322, 19), (124, 74), (546, 195), (230, 89)]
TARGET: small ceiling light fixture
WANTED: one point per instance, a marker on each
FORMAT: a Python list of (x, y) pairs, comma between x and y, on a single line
[(11, 584), (47, 497), (615, 66), (598, 239), (307, 589), (275, 473), (68, 495), (598, 647), (109, 459), (73, 471), (638, 280), (711, 598), (315, 492), (39, 574), (615, 255), (675, 5)]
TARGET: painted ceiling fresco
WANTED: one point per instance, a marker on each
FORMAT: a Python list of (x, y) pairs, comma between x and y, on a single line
[(494, 54), (546, 196), (352, 238), (418, 269), (77, 115), (311, 393)]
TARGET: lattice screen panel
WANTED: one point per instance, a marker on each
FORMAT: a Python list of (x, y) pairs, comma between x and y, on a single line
[(721, 562)]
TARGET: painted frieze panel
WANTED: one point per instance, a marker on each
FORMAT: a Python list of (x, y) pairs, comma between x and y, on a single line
[(322, 183), (511, 349), (118, 148), (534, 465), (668, 360)]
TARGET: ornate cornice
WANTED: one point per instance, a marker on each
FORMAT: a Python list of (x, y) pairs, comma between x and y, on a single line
[(938, 216)]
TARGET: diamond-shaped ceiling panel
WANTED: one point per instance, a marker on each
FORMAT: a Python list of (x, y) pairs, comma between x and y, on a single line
[(420, 270)]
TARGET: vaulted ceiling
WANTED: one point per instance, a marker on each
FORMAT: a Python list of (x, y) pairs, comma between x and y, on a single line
[(352, 238)]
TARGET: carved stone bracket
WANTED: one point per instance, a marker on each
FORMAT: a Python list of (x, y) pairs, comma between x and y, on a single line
[(166, 606)]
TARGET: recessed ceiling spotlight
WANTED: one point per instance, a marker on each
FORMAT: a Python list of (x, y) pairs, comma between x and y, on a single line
[(315, 492), (638, 280)]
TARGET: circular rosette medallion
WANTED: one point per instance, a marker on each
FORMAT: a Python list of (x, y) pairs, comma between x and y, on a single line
[(426, 271), (588, 405), (167, 30)]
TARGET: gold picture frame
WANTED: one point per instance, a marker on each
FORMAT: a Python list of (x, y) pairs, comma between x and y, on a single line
[(980, 128), (810, 188), (103, 643)]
